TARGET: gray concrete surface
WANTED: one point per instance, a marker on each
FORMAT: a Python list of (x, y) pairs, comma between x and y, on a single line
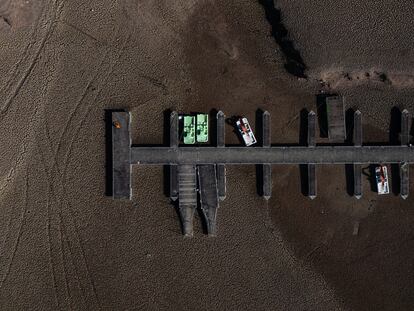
[(266, 168), (209, 201), (311, 129), (221, 181), (357, 140), (221, 168), (335, 107), (174, 141), (357, 180), (312, 181), (273, 155), (187, 196), (404, 180), (121, 156)]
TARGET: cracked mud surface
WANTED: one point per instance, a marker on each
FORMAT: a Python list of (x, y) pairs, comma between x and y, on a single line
[(64, 245)]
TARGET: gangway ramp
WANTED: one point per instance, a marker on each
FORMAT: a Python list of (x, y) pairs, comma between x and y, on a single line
[(187, 196), (336, 118), (207, 182)]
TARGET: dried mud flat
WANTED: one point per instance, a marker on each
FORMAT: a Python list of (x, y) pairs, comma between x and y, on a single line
[(65, 245)]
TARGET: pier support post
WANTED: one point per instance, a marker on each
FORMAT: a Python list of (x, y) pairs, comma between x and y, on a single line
[(357, 143), (311, 129), (173, 171), (267, 168), (312, 190), (221, 168), (121, 155), (357, 128), (220, 129), (312, 181), (404, 167), (405, 127), (404, 180)]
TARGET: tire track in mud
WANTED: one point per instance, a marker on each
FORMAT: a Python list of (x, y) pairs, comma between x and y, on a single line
[(89, 106), (64, 243), (19, 82), (24, 55), (20, 158), (19, 162), (54, 230), (23, 152), (67, 212), (12, 254), (51, 217), (67, 225), (77, 105), (55, 222), (50, 227)]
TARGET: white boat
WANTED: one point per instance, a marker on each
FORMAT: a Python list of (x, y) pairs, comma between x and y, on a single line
[(381, 176), (246, 131)]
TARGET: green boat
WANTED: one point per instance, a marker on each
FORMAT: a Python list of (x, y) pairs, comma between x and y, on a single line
[(202, 128), (189, 130)]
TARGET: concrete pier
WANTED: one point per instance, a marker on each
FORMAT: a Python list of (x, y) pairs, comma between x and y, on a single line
[(183, 162), (174, 141), (405, 167), (173, 172), (405, 127), (357, 143), (220, 129), (311, 166), (221, 181), (404, 180), (272, 155), (335, 107), (267, 181), (312, 181), (266, 168), (266, 123), (357, 129), (311, 129), (121, 155), (358, 181), (221, 168), (174, 135)]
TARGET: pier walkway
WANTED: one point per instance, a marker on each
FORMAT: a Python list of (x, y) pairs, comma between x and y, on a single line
[(209, 162), (272, 155)]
